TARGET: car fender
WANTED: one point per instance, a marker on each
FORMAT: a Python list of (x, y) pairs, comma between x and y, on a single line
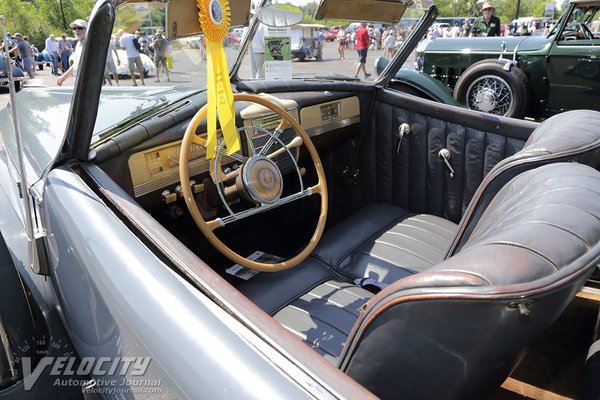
[(429, 86)]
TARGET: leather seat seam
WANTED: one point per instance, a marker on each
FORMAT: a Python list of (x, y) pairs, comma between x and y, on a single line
[(505, 243), (398, 266), (404, 235), (358, 245), (399, 248), (432, 224)]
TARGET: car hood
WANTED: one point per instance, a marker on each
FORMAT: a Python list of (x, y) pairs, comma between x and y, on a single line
[(44, 113), (460, 45)]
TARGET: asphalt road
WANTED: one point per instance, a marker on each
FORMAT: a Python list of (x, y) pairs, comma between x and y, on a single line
[(184, 70)]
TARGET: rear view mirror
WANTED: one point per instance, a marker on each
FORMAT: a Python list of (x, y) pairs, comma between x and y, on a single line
[(280, 15)]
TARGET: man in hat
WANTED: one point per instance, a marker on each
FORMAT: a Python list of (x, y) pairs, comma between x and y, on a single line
[(24, 50), (487, 24), (161, 47), (79, 27)]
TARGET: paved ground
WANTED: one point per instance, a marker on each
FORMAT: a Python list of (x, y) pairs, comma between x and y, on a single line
[(184, 70)]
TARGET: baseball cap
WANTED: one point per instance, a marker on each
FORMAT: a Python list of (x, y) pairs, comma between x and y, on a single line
[(159, 31), (17, 35), (79, 23)]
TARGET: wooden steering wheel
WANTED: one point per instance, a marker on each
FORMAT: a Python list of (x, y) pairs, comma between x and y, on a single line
[(258, 180)]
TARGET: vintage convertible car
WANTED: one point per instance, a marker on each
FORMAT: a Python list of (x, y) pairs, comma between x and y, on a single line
[(361, 243), (516, 76)]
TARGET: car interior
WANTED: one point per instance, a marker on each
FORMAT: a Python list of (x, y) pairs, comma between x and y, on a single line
[(397, 237), (422, 200)]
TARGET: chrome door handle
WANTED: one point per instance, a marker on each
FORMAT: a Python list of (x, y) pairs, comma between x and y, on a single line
[(445, 155)]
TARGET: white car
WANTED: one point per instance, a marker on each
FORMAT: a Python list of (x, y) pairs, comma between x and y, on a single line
[(123, 67)]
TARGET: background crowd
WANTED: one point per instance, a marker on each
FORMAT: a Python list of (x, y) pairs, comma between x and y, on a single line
[(62, 53)]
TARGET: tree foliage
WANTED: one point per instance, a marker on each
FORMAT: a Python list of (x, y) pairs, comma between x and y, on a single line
[(40, 18)]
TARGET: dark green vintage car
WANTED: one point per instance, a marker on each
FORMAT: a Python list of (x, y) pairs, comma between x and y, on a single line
[(518, 76)]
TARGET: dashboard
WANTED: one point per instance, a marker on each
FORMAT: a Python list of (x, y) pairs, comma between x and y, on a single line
[(157, 167)]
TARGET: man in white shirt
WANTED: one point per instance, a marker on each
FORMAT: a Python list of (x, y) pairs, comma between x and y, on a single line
[(52, 49), (79, 30), (257, 53), (126, 41)]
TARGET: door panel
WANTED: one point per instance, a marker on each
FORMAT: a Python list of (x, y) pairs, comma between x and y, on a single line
[(574, 75), (413, 176)]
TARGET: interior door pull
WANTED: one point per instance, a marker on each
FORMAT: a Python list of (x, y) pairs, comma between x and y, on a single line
[(403, 129), (445, 155)]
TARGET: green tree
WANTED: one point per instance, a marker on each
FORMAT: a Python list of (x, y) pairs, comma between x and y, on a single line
[(39, 18), (456, 8), (23, 17)]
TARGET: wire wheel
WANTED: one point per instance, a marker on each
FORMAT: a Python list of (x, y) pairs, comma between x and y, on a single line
[(489, 86), (490, 94)]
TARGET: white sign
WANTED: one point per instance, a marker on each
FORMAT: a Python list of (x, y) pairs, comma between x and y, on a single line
[(278, 53)]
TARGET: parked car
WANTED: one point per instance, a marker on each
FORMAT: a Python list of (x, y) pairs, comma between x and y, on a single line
[(42, 58), (18, 73), (331, 33), (123, 68), (361, 243), (304, 41), (520, 76), (234, 37)]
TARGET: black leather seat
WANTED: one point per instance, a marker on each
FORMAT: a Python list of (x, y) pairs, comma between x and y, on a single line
[(456, 329), (386, 242)]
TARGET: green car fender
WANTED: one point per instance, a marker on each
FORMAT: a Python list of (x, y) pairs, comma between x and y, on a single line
[(427, 85)]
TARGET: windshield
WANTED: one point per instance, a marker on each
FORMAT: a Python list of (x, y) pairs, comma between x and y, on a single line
[(311, 49), (315, 48)]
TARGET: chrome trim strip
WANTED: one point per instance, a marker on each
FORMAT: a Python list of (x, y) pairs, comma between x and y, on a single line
[(263, 207), (330, 126)]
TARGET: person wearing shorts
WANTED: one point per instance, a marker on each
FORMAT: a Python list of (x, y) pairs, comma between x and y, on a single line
[(341, 39), (134, 60), (24, 50), (362, 46), (160, 46)]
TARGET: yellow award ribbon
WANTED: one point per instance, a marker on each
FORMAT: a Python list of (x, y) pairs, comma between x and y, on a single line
[(215, 17)]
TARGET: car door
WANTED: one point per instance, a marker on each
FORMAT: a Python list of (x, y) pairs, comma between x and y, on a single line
[(573, 63)]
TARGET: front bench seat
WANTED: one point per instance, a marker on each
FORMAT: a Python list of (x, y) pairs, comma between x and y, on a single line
[(457, 329), (386, 242)]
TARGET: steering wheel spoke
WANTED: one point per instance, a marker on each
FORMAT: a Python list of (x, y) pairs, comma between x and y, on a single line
[(258, 180), (200, 141)]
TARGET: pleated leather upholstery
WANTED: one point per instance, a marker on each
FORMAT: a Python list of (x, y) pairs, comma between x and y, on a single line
[(570, 136), (459, 324), (324, 316), (385, 243), (415, 178)]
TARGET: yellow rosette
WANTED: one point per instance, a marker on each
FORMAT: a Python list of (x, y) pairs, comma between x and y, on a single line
[(215, 17)]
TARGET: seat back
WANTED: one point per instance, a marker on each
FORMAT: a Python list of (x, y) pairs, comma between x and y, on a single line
[(458, 329), (570, 136)]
